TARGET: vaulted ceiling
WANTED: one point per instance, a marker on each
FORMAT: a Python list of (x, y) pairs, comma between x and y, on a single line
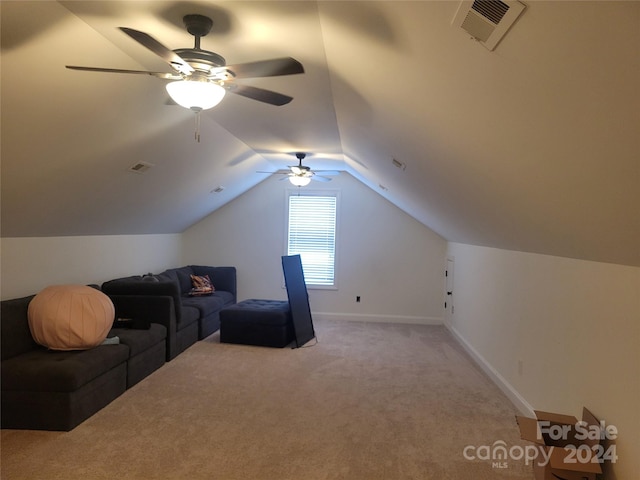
[(534, 146)]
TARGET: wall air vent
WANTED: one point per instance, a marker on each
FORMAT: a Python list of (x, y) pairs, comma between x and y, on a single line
[(140, 167), (488, 20)]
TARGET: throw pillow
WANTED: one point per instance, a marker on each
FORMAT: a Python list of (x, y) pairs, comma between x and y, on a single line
[(201, 285)]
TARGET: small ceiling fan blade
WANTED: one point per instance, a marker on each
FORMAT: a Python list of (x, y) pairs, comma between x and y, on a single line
[(167, 76), (169, 56), (320, 178), (278, 172), (267, 68), (262, 95)]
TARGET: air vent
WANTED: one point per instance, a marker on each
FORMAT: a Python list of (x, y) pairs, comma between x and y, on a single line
[(398, 164), (488, 20), (492, 11), (140, 167)]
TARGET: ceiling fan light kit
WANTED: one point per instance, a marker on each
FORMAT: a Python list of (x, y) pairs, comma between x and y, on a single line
[(299, 181), (301, 175), (196, 95)]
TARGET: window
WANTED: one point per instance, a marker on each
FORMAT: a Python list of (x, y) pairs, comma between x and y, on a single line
[(312, 234)]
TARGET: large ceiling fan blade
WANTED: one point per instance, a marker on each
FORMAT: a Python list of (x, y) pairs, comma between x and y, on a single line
[(169, 56), (327, 172), (167, 76), (262, 95), (267, 68), (320, 178)]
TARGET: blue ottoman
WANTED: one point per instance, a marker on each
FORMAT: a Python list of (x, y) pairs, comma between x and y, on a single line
[(265, 323)]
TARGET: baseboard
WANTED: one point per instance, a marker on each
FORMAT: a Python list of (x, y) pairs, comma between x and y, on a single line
[(518, 401), (371, 317)]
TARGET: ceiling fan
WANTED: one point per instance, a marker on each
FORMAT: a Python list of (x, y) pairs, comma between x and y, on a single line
[(300, 175), (201, 78)]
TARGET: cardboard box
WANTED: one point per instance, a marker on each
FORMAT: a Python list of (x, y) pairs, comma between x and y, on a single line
[(566, 450)]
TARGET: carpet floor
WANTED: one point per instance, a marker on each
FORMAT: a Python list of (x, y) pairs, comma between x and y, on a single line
[(369, 401)]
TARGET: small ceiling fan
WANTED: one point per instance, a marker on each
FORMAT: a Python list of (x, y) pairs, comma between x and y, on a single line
[(300, 175), (201, 78)]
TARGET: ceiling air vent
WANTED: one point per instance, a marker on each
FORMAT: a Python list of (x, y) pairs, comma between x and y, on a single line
[(398, 164), (140, 167), (488, 20)]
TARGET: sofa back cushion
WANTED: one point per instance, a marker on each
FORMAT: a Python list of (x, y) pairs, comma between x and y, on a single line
[(166, 285), (222, 278), (15, 333), (181, 275), (139, 286)]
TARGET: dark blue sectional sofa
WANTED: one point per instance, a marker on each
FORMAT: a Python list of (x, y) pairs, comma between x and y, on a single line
[(57, 390), (187, 318)]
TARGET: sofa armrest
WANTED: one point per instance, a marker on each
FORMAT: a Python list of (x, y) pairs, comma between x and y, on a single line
[(223, 278), (152, 308)]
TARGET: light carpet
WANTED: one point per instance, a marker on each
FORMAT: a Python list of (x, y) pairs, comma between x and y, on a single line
[(369, 401)]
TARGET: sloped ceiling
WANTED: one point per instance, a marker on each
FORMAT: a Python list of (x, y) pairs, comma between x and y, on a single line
[(534, 146)]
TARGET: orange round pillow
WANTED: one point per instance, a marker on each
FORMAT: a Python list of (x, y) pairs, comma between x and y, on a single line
[(70, 317)]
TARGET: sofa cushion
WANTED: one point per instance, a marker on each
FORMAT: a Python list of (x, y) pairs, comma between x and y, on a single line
[(182, 275), (138, 285), (50, 371), (222, 278), (169, 276), (204, 305), (188, 314), (140, 340), (227, 297)]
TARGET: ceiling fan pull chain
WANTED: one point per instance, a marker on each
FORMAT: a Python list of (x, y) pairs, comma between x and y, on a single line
[(197, 134)]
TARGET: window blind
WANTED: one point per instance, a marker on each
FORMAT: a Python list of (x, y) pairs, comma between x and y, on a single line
[(312, 235)]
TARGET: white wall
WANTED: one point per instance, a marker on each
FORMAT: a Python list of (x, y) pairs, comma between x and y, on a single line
[(30, 264), (574, 325), (394, 263)]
